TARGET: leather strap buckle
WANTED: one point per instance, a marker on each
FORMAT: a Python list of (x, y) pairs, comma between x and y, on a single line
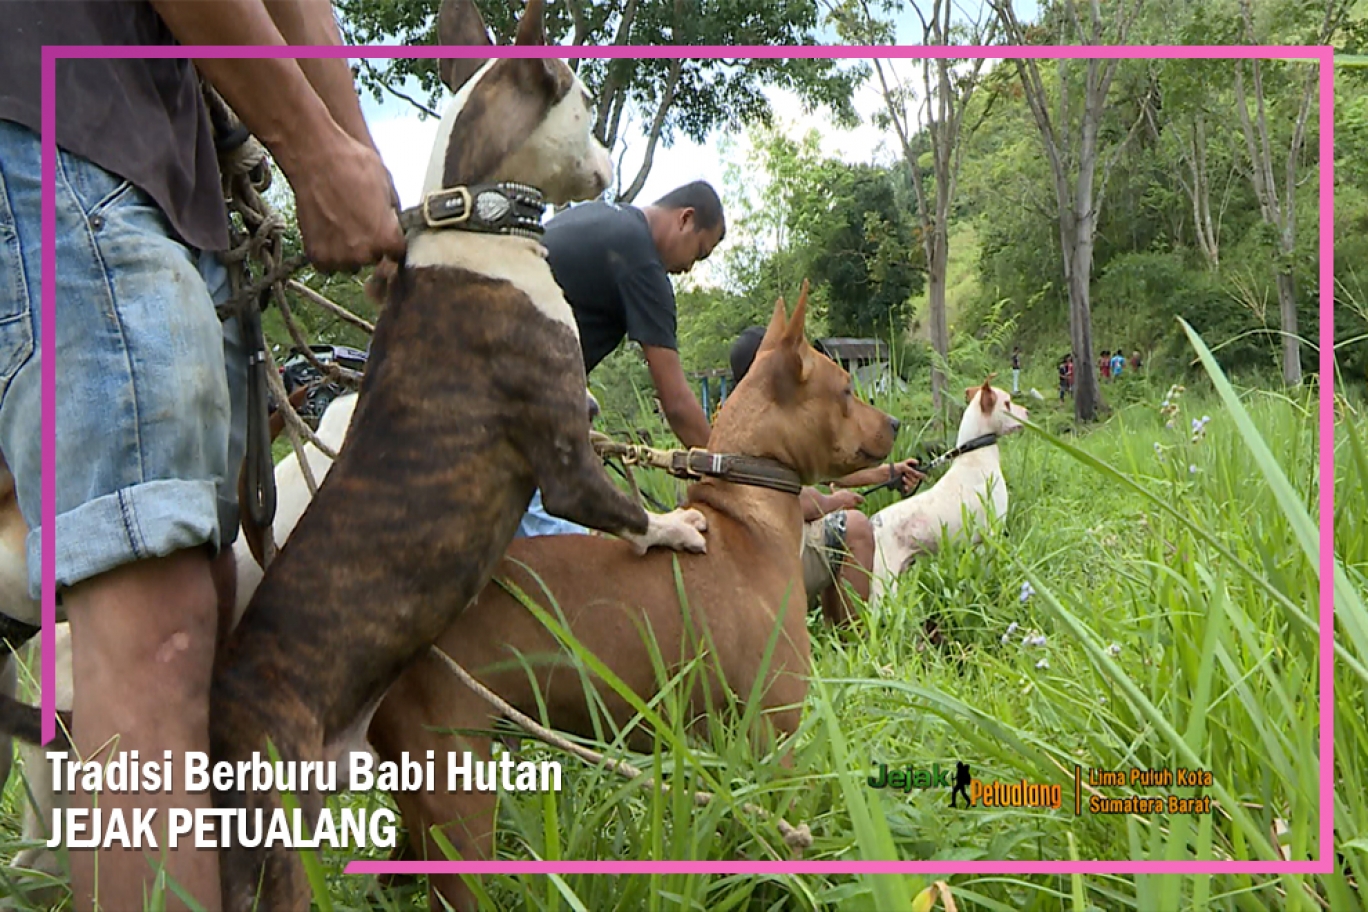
[(460, 218)]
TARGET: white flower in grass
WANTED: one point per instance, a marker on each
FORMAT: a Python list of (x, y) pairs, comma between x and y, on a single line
[(1169, 425), (1114, 650), (1192, 470), (1027, 590), (1012, 628), (1043, 663), (1158, 450), (1037, 640), (1102, 700), (1199, 427)]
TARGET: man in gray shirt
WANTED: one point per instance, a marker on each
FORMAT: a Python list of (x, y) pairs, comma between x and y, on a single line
[(614, 264)]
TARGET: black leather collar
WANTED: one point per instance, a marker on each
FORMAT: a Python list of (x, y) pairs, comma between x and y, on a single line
[(503, 208)]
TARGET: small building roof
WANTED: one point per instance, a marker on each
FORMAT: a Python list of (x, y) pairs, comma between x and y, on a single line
[(846, 349)]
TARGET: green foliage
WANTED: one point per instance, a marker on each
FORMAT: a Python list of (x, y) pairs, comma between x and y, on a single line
[(695, 97), (848, 228), (1173, 580), (710, 320), (1351, 223), (865, 253)]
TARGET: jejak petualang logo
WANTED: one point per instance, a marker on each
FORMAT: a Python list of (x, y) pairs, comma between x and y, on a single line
[(1031, 795), (975, 792)]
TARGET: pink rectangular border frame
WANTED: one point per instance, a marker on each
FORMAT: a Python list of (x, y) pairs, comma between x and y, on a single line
[(1321, 54)]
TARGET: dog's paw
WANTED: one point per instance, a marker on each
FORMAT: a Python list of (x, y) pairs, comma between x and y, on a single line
[(678, 530), (693, 518)]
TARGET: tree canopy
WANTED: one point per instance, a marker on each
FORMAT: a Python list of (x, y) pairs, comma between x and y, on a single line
[(643, 102)]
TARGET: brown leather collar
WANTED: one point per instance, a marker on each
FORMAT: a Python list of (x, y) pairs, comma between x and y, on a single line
[(745, 470), (695, 463)]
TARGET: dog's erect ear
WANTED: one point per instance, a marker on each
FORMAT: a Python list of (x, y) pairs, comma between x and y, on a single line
[(459, 23), (532, 33), (797, 323), (532, 25), (988, 399), (791, 369), (508, 105), (796, 336), (774, 333), (969, 393)]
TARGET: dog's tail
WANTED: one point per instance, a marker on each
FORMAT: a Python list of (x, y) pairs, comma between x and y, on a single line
[(25, 722)]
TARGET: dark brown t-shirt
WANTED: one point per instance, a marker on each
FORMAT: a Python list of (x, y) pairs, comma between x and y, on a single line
[(143, 120)]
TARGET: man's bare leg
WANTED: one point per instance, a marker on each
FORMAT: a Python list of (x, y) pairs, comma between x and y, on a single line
[(856, 567), (142, 654), (224, 570)]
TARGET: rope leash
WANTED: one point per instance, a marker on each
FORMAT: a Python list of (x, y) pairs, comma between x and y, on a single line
[(796, 838), (626, 474), (246, 174)]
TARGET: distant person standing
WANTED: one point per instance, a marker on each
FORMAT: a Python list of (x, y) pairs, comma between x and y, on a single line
[(1104, 364), (1135, 361), (1016, 369), (1118, 364), (1064, 375)]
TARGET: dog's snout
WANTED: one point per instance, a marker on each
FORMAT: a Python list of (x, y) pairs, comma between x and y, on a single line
[(894, 423)]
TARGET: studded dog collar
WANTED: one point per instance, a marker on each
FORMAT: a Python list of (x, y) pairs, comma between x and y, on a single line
[(502, 208)]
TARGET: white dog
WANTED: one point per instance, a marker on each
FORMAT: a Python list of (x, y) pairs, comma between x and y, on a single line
[(971, 487)]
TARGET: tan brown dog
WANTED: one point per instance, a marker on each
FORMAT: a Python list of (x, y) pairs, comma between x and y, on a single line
[(795, 407)]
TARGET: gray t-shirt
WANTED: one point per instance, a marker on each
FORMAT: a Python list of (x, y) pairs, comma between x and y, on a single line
[(604, 260), (142, 120)]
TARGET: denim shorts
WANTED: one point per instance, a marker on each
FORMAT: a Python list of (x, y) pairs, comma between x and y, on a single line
[(151, 387), (537, 522), (824, 550)]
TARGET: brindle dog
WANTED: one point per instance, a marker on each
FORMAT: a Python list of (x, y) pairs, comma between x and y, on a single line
[(474, 396)]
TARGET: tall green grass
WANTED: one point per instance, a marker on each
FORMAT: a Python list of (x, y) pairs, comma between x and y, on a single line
[(1173, 576)]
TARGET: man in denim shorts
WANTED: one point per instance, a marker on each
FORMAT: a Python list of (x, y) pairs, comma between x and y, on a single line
[(149, 409)]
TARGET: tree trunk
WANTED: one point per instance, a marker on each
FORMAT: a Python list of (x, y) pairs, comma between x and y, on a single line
[(1081, 202), (1076, 240), (1279, 210), (937, 256), (653, 135), (1287, 310), (945, 100), (1207, 238)]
